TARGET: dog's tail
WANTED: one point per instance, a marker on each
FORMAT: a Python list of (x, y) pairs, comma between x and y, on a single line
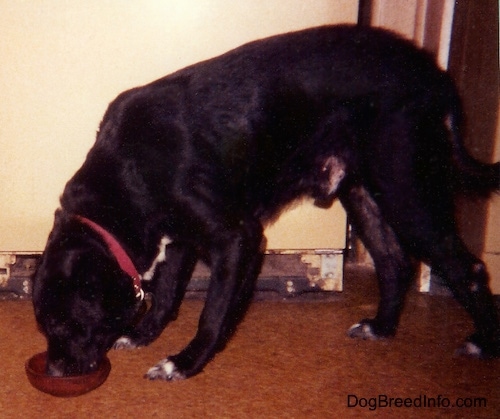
[(470, 175)]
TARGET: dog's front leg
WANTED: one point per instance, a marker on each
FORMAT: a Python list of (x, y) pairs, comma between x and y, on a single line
[(235, 264), (167, 289)]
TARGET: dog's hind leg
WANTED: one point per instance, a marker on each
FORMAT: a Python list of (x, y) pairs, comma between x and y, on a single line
[(467, 277), (415, 195), (394, 268), (235, 261), (167, 289)]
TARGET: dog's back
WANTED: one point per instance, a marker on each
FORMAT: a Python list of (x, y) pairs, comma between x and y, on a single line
[(256, 112)]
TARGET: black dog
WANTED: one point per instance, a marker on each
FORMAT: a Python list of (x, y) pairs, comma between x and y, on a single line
[(193, 165)]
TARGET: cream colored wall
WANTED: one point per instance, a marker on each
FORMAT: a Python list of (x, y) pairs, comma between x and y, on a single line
[(63, 62)]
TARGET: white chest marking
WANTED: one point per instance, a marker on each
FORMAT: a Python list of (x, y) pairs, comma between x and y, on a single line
[(160, 257)]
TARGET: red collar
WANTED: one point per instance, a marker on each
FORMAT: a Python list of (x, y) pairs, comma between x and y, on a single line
[(118, 252)]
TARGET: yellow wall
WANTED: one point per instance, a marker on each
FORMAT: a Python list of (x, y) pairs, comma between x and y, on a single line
[(63, 61)]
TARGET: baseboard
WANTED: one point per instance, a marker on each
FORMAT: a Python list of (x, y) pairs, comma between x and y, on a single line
[(285, 274)]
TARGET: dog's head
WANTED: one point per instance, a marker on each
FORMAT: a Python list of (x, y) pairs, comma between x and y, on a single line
[(83, 301)]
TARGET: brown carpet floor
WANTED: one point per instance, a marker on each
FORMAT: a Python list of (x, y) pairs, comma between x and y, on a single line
[(288, 360)]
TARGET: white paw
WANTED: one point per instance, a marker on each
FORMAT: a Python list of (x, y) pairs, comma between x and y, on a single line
[(124, 343), (469, 349), (165, 370), (361, 330)]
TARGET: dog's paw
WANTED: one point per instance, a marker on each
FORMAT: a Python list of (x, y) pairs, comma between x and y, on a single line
[(165, 370), (469, 349), (362, 331), (475, 347), (125, 342), (369, 329)]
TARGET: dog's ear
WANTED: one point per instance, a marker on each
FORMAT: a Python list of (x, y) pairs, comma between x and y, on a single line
[(77, 260), (84, 269), (95, 275)]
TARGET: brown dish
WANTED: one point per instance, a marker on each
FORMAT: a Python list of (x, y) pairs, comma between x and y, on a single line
[(70, 386)]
